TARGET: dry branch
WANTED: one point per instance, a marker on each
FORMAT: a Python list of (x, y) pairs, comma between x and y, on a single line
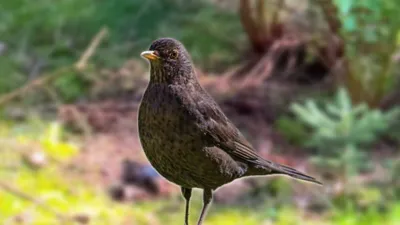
[(335, 46), (39, 203), (248, 23), (44, 79), (262, 24), (261, 31), (35, 83), (90, 50)]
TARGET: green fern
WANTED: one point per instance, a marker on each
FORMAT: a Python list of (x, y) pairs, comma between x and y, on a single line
[(339, 129)]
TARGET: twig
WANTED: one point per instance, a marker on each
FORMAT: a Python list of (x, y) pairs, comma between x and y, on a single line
[(82, 62), (22, 195), (82, 122), (35, 83), (79, 66)]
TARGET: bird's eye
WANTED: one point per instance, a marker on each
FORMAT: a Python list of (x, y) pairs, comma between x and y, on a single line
[(174, 54)]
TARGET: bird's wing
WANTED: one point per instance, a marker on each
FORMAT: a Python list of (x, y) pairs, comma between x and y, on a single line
[(225, 136), (213, 123), (222, 133)]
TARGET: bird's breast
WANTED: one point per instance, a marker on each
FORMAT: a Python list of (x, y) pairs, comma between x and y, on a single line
[(175, 146), (162, 112), (167, 135)]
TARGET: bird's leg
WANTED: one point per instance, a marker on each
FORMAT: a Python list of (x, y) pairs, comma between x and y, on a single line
[(207, 198), (187, 193)]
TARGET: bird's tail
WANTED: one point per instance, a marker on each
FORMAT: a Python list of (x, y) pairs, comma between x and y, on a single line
[(285, 170), (265, 167)]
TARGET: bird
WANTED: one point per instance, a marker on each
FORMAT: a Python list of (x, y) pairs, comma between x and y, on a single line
[(186, 136)]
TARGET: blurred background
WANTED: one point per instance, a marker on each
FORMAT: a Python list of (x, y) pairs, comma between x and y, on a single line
[(313, 84)]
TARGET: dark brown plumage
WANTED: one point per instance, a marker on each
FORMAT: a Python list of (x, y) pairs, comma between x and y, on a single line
[(186, 136)]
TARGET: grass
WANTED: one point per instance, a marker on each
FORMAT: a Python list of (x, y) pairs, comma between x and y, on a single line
[(67, 193)]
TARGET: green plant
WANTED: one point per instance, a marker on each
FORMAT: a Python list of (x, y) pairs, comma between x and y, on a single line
[(293, 130), (370, 31), (50, 192), (339, 130), (42, 37), (351, 215)]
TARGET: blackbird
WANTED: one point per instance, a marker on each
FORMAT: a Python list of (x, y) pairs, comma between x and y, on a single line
[(186, 136)]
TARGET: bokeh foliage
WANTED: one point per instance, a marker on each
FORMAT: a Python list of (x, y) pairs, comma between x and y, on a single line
[(341, 132), (371, 31), (44, 35)]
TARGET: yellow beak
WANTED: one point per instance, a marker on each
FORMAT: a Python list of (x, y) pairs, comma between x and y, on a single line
[(150, 55)]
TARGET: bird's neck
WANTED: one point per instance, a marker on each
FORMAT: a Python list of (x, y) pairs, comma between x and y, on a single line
[(171, 75), (157, 75)]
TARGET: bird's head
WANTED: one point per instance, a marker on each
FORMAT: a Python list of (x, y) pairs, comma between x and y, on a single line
[(169, 60)]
